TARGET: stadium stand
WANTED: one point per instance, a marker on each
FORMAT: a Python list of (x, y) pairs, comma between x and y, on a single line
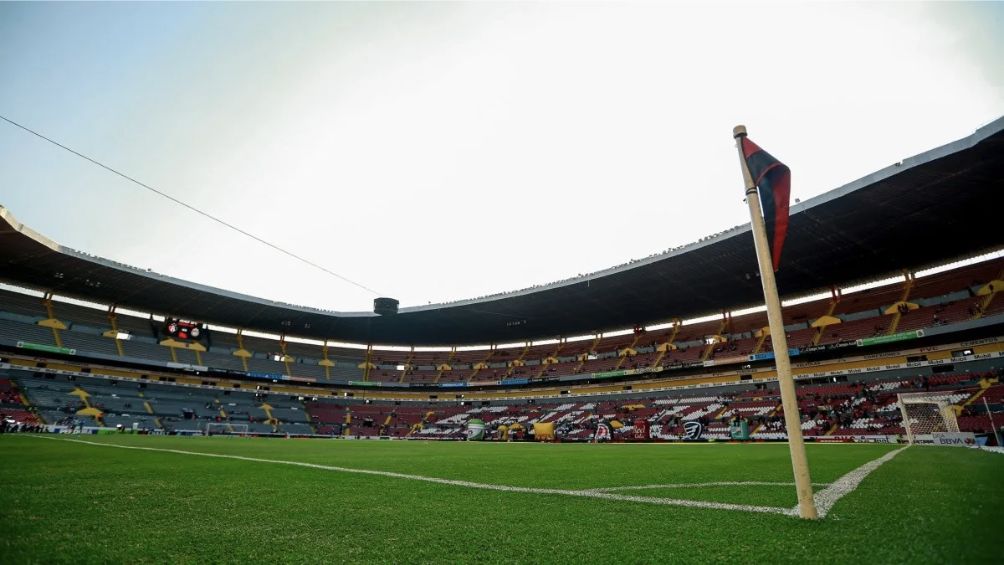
[(92, 401), (13, 407), (865, 408), (942, 299)]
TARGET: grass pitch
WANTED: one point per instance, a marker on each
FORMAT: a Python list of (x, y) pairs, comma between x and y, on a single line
[(70, 502)]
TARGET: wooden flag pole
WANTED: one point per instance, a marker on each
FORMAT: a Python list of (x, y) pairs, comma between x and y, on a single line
[(792, 421)]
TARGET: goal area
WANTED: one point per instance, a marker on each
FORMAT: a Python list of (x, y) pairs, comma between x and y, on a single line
[(226, 429), (926, 413)]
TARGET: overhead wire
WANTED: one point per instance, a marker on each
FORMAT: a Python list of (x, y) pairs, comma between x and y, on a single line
[(192, 208)]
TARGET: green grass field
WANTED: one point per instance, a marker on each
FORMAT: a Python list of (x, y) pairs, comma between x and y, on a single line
[(62, 501)]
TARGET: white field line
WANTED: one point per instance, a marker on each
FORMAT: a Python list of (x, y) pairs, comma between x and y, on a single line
[(467, 484), (701, 485), (826, 498)]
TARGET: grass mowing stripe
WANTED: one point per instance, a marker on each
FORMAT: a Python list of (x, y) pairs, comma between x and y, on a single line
[(466, 484)]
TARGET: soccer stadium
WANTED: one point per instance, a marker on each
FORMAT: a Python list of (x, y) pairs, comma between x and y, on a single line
[(640, 413)]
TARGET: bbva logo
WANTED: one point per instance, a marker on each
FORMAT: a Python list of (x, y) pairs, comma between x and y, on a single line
[(954, 438), (956, 441)]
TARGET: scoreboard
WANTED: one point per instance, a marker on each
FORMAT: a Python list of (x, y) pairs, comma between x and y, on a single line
[(184, 329)]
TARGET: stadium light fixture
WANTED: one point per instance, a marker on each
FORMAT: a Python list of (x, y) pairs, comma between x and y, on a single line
[(618, 333), (483, 347), (963, 263)]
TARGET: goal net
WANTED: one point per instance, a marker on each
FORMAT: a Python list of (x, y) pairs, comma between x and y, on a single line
[(926, 413), (226, 429)]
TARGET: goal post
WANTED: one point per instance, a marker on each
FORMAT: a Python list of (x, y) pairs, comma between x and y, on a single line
[(226, 429), (926, 413)]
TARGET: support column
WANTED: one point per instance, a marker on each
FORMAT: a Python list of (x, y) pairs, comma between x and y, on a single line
[(325, 362), (369, 363), (826, 319), (286, 359), (483, 364), (51, 322), (518, 362), (551, 359), (716, 338), (114, 333), (443, 367), (897, 309), (585, 356), (242, 353), (628, 351)]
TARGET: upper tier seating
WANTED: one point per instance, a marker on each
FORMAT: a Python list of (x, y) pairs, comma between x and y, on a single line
[(944, 298)]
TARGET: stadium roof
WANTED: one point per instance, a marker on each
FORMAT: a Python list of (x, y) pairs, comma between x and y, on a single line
[(926, 210)]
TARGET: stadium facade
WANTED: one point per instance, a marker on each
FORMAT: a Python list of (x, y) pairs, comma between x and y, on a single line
[(644, 347)]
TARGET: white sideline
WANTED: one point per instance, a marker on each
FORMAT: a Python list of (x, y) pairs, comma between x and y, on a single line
[(825, 499)]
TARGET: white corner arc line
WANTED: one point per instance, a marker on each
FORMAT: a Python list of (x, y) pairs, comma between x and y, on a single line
[(467, 484), (826, 498)]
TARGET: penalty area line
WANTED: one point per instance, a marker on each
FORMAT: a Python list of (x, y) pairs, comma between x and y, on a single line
[(458, 483)]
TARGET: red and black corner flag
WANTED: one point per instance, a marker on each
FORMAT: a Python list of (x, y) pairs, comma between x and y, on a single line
[(773, 178)]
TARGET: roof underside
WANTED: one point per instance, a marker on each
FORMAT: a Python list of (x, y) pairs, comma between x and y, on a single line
[(930, 209)]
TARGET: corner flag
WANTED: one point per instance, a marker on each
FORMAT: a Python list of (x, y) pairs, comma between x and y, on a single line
[(768, 176), (773, 178)]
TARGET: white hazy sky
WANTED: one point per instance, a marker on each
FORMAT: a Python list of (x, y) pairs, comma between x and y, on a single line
[(436, 152)]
